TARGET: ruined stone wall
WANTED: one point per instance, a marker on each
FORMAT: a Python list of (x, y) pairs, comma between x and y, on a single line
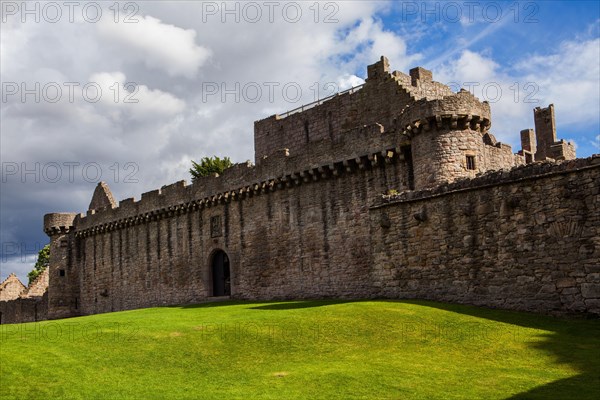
[(39, 286), (287, 235), (24, 310), (392, 111), (499, 156), (524, 239), (562, 150), (528, 239), (11, 288), (19, 304), (441, 155), (545, 130)]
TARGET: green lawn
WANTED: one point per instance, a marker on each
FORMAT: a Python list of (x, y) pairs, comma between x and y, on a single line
[(303, 350)]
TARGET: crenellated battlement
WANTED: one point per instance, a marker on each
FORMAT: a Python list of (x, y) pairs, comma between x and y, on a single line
[(180, 198)]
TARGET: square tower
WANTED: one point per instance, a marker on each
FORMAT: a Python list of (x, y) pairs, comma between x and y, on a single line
[(545, 131)]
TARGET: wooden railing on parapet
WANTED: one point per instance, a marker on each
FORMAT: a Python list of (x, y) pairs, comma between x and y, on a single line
[(318, 102)]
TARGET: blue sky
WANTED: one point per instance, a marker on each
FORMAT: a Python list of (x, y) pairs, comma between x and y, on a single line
[(176, 52), (520, 29), (521, 34)]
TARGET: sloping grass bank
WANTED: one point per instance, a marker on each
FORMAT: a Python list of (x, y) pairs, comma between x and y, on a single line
[(303, 350)]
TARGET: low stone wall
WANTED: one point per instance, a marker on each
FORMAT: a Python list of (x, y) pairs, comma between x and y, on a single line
[(24, 310), (526, 239)]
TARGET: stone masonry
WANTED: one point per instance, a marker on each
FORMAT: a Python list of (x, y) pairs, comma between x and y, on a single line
[(11, 288), (24, 304), (525, 239), (394, 189)]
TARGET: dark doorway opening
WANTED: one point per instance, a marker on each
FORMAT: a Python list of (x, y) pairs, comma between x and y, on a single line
[(220, 274)]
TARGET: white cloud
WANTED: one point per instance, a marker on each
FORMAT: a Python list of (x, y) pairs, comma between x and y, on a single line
[(471, 67), (137, 101), (470, 39), (158, 45), (569, 78), (347, 81), (372, 41), (486, 80)]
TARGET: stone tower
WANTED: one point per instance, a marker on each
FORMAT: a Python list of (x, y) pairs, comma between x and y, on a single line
[(63, 276), (444, 135), (447, 141), (545, 130), (547, 144)]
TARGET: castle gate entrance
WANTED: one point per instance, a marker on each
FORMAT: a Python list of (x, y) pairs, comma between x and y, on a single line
[(220, 274)]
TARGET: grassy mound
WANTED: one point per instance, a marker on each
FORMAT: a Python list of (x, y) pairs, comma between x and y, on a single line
[(303, 350)]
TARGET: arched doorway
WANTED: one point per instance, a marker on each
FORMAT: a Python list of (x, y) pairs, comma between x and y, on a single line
[(220, 274)]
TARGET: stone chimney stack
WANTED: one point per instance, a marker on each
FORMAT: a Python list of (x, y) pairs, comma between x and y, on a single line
[(545, 131)]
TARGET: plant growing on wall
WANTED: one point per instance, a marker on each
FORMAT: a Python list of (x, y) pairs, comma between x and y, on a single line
[(41, 264), (208, 166)]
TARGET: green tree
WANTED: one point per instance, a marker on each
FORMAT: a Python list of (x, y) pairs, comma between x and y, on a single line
[(208, 166), (41, 264)]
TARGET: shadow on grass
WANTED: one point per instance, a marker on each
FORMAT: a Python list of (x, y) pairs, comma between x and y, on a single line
[(268, 305), (292, 305), (571, 341), (210, 304)]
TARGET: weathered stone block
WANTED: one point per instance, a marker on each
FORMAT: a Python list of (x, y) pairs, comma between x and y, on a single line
[(565, 283), (590, 290)]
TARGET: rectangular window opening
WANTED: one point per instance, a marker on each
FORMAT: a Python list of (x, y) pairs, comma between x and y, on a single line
[(471, 162), (61, 272)]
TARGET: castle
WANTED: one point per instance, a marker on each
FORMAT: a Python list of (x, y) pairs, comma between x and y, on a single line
[(393, 189)]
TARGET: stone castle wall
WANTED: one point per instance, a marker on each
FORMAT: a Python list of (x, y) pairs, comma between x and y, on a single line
[(288, 239), (391, 100), (528, 239), (24, 309), (393, 110), (305, 221), (523, 239)]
